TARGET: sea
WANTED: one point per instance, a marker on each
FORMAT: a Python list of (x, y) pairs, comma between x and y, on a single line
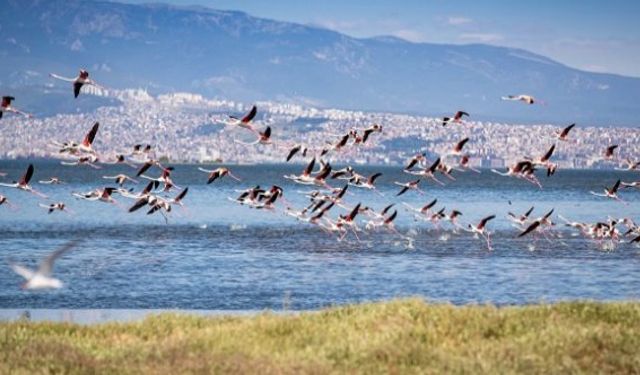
[(217, 255)]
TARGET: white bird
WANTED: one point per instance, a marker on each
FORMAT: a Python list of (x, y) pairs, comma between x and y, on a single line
[(42, 277)]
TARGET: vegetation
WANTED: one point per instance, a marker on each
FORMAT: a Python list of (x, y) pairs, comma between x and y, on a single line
[(404, 336)]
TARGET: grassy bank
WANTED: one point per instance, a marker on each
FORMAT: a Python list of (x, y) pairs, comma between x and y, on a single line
[(405, 336)]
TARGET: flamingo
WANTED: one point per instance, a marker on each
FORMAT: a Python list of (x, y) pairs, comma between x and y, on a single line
[(564, 134), (611, 192), (528, 99), (457, 118), (481, 230), (245, 121), (23, 183), (81, 80), (218, 173), (5, 106)]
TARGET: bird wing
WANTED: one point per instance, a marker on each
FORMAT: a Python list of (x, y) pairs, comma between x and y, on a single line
[(566, 130), (76, 88), (530, 228), (249, 116), (547, 156), (46, 266), (22, 271), (484, 221), (27, 176), (91, 135), (139, 204), (293, 152), (616, 186)]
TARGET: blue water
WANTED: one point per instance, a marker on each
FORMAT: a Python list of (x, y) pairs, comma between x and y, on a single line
[(218, 255)]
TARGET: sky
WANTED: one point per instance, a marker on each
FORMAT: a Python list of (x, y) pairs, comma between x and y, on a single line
[(593, 35)]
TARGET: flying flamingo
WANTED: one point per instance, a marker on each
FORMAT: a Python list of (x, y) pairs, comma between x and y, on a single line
[(23, 183), (81, 80), (5, 106)]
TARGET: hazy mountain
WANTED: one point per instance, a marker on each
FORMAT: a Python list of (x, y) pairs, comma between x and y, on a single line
[(236, 56)]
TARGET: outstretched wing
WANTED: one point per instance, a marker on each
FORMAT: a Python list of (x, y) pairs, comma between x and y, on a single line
[(27, 176), (91, 135), (22, 271), (249, 116), (46, 267)]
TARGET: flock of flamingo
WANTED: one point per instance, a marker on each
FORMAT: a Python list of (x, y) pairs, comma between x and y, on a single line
[(157, 196)]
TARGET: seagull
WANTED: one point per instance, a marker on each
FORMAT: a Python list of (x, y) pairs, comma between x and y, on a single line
[(81, 80), (42, 277), (564, 134), (457, 118), (6, 106), (23, 183), (120, 179), (528, 99), (610, 192), (481, 229), (245, 122)]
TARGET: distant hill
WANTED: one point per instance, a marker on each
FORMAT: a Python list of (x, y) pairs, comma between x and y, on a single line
[(233, 55)]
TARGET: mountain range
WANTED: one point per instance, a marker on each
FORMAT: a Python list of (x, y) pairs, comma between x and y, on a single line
[(233, 55)]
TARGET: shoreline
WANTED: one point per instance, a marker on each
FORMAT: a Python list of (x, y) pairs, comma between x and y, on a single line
[(93, 316)]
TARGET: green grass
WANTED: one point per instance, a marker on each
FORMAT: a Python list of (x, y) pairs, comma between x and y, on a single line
[(404, 336)]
